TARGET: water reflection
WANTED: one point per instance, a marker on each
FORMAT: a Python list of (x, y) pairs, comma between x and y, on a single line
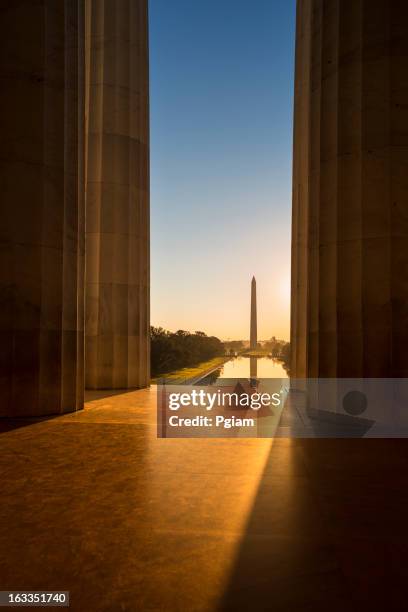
[(245, 377), (253, 367)]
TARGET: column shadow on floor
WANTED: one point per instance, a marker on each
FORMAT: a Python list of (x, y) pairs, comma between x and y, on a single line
[(96, 394), (285, 561), (327, 530), (10, 423)]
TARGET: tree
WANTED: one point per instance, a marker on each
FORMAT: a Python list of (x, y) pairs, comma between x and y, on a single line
[(171, 351)]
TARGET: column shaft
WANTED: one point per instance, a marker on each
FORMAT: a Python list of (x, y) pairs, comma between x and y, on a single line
[(350, 179), (42, 207), (117, 195)]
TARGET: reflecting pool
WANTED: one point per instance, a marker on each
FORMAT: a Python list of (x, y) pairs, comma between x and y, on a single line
[(250, 367)]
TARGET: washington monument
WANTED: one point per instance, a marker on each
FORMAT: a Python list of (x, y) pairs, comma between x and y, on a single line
[(253, 342)]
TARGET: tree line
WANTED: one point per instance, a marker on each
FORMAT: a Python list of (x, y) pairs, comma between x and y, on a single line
[(280, 349), (180, 349), (234, 346)]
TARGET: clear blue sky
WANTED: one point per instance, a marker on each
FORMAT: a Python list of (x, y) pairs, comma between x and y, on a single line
[(221, 106)]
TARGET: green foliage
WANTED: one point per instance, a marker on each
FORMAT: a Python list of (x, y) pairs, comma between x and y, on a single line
[(280, 349), (172, 351), (233, 346)]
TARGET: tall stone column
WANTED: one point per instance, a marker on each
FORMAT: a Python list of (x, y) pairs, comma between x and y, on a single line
[(42, 207), (117, 195), (350, 190)]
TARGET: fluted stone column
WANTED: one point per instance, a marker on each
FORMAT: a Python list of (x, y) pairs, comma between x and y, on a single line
[(117, 196), (350, 190), (42, 207)]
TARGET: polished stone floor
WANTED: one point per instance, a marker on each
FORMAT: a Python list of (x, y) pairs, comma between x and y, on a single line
[(95, 504)]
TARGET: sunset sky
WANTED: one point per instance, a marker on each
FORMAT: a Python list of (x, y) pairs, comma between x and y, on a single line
[(221, 156)]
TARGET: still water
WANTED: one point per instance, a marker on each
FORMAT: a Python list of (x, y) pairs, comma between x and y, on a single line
[(252, 367)]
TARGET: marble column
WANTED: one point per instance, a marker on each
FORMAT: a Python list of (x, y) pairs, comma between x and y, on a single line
[(117, 195), (42, 207), (350, 190)]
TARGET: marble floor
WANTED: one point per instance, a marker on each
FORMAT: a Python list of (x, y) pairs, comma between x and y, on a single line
[(95, 504)]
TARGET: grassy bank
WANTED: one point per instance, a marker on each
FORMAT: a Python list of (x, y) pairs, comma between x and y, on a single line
[(193, 372)]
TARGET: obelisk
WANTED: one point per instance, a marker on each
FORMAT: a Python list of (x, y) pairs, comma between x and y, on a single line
[(253, 332)]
